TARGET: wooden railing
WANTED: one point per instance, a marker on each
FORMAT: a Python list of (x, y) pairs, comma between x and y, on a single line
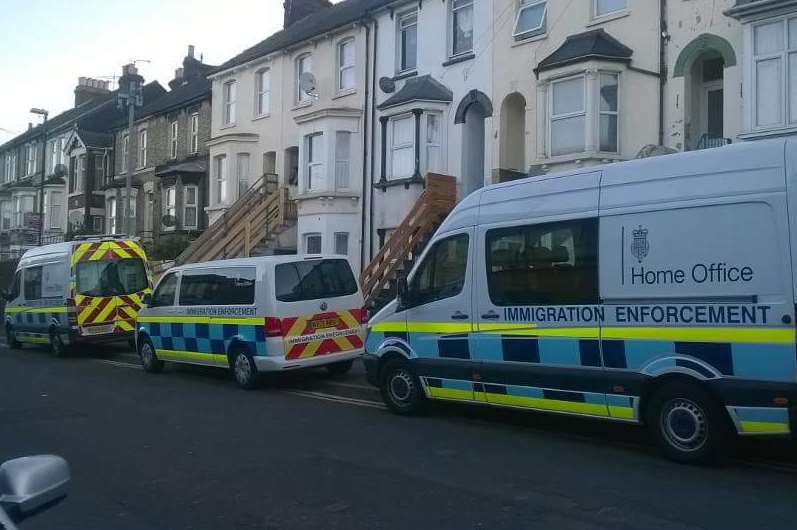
[(436, 201), (261, 211)]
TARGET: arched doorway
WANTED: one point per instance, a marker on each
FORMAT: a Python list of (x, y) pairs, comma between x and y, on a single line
[(512, 137), (471, 113), (702, 65)]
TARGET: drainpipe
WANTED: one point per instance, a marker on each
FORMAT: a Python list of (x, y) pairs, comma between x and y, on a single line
[(365, 187), (664, 37), (373, 139)]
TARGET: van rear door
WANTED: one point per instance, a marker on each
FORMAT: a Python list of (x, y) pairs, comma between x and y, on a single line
[(319, 306)]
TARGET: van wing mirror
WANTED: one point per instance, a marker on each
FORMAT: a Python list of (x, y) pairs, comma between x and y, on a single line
[(402, 291), (146, 299), (32, 483)]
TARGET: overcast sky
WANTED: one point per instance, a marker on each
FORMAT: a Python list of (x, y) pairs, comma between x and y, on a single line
[(45, 45)]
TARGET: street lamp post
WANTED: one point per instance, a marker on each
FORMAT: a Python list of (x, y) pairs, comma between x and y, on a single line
[(44, 113), (130, 95)]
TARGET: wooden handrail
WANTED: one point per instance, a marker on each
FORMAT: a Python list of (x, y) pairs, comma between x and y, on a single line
[(434, 203)]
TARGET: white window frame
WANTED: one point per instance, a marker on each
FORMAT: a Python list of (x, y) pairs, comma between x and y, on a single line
[(31, 159), (539, 30), (552, 118), (229, 96), (313, 161), (243, 174), (306, 239), (596, 14), (125, 150), (193, 133), (393, 147), (336, 241), (174, 128), (467, 4), (170, 202), (262, 92), (112, 209), (142, 149), (220, 178), (343, 68), (302, 60), (402, 26), (52, 209), (602, 113), (341, 163), (783, 60), (187, 205), (427, 144)]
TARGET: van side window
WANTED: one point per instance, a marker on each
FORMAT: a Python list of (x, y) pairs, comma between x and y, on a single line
[(230, 286), (313, 279), (544, 264), (13, 291), (54, 280), (33, 283), (164, 294), (442, 273)]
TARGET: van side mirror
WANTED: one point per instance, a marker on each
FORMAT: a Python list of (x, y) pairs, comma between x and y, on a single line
[(32, 483), (146, 299), (402, 291)]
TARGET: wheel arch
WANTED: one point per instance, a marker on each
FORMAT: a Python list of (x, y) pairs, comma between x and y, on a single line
[(656, 383), (236, 343)]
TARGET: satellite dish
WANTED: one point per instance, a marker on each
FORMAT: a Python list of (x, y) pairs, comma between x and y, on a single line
[(168, 220), (307, 84), (387, 85), (59, 171)]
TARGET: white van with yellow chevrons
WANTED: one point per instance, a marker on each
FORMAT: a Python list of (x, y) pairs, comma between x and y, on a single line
[(659, 291), (263, 314)]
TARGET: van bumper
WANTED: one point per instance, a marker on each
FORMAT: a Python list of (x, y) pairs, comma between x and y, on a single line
[(371, 363), (281, 364), (760, 402)]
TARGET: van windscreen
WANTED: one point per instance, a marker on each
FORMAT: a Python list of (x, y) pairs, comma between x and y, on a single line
[(310, 280), (110, 278)]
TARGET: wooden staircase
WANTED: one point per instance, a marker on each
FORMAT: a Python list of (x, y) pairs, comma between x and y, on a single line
[(258, 216), (405, 244)]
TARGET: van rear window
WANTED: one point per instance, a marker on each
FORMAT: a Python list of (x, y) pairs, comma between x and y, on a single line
[(111, 278), (311, 280), (227, 286)]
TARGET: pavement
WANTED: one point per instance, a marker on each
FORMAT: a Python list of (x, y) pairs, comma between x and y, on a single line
[(187, 449)]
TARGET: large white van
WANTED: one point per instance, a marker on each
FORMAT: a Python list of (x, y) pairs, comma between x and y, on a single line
[(659, 291), (264, 314)]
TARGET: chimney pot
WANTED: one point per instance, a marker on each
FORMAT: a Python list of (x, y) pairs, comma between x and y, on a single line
[(191, 51)]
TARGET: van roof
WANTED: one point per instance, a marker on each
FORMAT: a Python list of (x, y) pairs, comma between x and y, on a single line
[(65, 247), (752, 155), (269, 260)]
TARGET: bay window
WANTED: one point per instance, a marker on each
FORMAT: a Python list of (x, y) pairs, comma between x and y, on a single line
[(434, 142), (5, 215), (171, 203), (315, 162), (608, 136), (111, 209), (342, 159), (190, 205), (774, 73), (568, 116), (461, 24), (220, 178), (242, 173), (53, 201), (402, 146)]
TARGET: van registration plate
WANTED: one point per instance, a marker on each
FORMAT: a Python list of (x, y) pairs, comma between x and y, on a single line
[(98, 330), (325, 323)]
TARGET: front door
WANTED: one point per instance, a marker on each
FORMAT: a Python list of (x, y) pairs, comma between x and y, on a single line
[(714, 111), (439, 317)]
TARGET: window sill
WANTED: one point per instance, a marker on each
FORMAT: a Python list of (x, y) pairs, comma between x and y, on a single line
[(404, 181), (302, 105), (405, 74), (520, 40), (227, 126), (261, 116), (336, 194), (768, 133), (579, 157), (344, 93), (460, 58), (596, 21)]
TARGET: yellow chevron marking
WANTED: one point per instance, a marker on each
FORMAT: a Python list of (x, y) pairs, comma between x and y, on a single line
[(106, 311), (310, 349)]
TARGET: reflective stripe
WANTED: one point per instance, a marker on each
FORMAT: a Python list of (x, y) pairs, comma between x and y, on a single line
[(626, 413), (696, 334), (218, 358), (203, 320), (424, 327), (449, 393), (762, 427), (58, 309)]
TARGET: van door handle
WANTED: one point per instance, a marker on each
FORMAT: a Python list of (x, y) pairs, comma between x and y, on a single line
[(459, 316), (491, 315)]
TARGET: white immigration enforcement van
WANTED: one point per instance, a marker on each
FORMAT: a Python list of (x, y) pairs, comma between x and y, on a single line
[(251, 315), (658, 291)]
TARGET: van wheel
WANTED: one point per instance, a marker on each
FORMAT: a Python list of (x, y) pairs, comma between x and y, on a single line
[(401, 388), (57, 346), (11, 338), (688, 424), (149, 359), (244, 369), (339, 368)]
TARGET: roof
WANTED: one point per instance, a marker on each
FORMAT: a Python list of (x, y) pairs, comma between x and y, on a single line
[(188, 166), (95, 139), (104, 118), (311, 26), (272, 260), (421, 88), (194, 90), (594, 44)]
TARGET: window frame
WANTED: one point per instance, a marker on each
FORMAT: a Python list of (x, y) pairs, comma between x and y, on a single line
[(339, 162), (49, 209), (559, 117), (242, 174), (401, 67), (261, 75), (228, 98), (541, 29), (173, 131), (597, 15), (616, 113), (225, 272), (338, 237), (306, 240), (413, 297), (783, 55), (220, 178), (452, 9), (393, 147), (193, 133), (111, 205), (301, 61), (142, 149), (187, 205), (155, 292), (25, 283), (341, 67), (311, 162), (170, 201)]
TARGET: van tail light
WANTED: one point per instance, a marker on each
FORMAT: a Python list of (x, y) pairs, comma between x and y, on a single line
[(273, 327)]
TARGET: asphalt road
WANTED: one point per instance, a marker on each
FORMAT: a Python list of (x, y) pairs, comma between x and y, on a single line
[(186, 449)]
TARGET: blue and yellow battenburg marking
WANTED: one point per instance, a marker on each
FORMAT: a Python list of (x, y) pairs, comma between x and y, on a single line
[(201, 338), (761, 420)]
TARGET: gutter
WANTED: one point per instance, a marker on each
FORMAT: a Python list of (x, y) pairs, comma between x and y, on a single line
[(664, 38), (366, 124), (373, 140)]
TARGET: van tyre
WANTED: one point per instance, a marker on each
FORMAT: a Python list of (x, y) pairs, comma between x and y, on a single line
[(244, 369), (149, 358), (340, 367), (401, 389), (11, 338), (688, 424), (57, 346)]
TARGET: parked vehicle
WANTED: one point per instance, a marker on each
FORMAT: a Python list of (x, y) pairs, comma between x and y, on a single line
[(29, 485), (264, 314), (79, 291), (659, 291)]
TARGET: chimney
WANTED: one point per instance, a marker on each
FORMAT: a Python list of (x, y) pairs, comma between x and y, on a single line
[(296, 10), (88, 88), (30, 125), (191, 51)]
